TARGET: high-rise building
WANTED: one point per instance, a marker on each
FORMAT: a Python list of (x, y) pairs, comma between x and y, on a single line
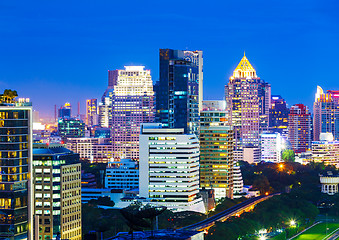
[(71, 128), (177, 91), (123, 174), (238, 183), (326, 150), (216, 150), (248, 101), (326, 113), (271, 147), (57, 182), (105, 109), (65, 111), (299, 128), (169, 168), (16, 202), (92, 112), (279, 115), (132, 104)]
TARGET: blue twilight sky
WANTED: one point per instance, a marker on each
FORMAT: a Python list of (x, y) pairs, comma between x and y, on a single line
[(58, 51)]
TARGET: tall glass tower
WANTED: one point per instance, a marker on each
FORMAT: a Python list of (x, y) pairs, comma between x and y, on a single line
[(15, 168), (179, 89)]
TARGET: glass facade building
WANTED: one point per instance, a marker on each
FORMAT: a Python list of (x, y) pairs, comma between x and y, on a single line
[(71, 128), (177, 91), (15, 167)]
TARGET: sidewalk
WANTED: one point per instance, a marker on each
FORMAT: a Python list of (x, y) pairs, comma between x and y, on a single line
[(305, 230)]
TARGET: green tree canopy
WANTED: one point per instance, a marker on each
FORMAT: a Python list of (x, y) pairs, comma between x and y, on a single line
[(288, 155), (8, 96)]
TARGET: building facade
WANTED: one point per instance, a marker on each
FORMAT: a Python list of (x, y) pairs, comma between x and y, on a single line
[(16, 200), (105, 109), (123, 174), (326, 113), (65, 111), (326, 150), (216, 150), (248, 101), (98, 150), (177, 91), (132, 104), (169, 168), (279, 111), (299, 128), (271, 147), (57, 181), (71, 128), (92, 117)]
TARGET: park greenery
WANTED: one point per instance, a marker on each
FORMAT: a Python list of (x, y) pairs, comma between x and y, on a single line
[(288, 155)]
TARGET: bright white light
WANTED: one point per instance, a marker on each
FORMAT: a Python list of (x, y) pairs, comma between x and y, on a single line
[(262, 238), (292, 223)]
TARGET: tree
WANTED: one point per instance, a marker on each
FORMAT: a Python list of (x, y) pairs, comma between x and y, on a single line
[(104, 201), (288, 155), (8, 96)]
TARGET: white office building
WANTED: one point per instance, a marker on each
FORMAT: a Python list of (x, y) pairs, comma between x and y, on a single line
[(271, 147), (123, 174), (169, 168)]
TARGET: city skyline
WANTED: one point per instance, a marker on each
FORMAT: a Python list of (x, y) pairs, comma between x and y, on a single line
[(75, 47)]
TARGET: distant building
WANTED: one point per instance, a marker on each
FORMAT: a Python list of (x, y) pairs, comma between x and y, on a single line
[(71, 128), (65, 111), (92, 117), (88, 180), (271, 147), (216, 150), (179, 89), (101, 132), (248, 154), (326, 150), (169, 168), (329, 183), (132, 104), (93, 149), (326, 113), (279, 115), (299, 128), (16, 187), (105, 109), (123, 174), (248, 101), (238, 183), (57, 181)]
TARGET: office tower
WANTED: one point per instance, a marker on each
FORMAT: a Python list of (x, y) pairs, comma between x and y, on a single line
[(132, 104), (299, 128), (15, 167), (169, 168), (91, 112), (326, 113), (123, 174), (177, 91), (271, 147), (105, 109), (71, 128), (57, 181), (326, 150), (279, 111), (65, 111), (248, 101), (216, 150)]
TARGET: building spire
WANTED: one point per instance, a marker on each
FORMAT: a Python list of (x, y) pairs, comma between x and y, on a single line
[(244, 69)]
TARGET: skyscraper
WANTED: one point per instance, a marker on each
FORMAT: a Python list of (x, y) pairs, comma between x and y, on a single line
[(177, 91), (216, 150), (91, 112), (278, 115), (132, 104), (169, 168), (57, 181), (248, 101), (65, 111), (71, 128), (16, 200), (271, 147), (105, 109), (326, 113), (299, 128)]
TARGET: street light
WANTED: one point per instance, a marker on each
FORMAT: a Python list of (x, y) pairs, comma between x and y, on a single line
[(292, 223), (262, 238)]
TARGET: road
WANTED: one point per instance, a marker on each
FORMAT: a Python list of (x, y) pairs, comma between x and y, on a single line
[(233, 211), (334, 236)]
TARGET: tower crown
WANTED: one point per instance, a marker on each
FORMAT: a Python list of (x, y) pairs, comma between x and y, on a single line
[(244, 69)]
